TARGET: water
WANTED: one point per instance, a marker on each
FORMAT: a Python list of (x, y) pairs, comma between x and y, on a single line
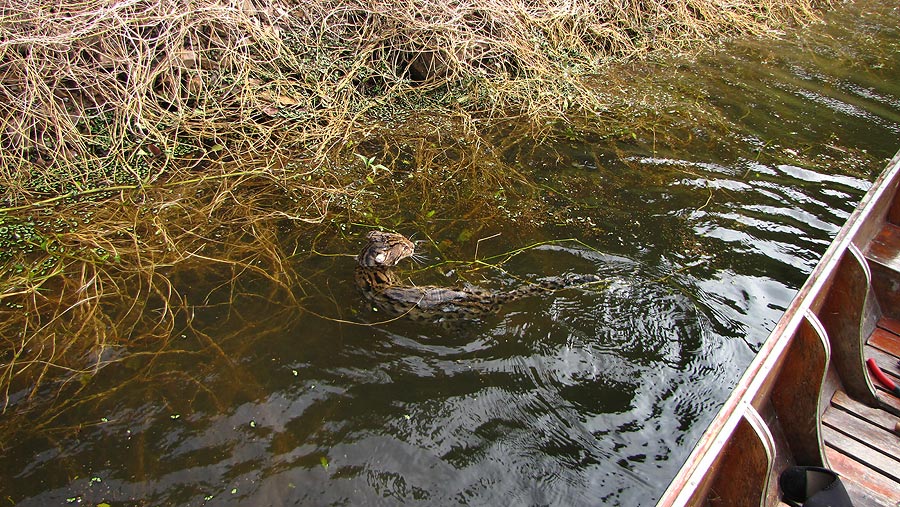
[(702, 234)]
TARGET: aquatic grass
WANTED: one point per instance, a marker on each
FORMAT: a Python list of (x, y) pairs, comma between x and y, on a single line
[(79, 295), (142, 142)]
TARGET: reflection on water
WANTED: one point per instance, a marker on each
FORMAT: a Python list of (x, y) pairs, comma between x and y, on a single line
[(587, 396)]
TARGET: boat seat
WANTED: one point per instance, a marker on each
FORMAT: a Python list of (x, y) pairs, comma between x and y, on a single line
[(744, 466), (849, 315), (884, 264), (797, 393)]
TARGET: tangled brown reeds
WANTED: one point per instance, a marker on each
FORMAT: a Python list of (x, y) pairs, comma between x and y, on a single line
[(96, 92), (107, 107), (108, 282)]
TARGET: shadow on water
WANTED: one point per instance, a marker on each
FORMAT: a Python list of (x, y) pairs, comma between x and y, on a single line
[(701, 233)]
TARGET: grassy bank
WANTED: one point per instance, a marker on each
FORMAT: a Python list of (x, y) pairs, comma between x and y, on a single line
[(95, 94), (143, 140)]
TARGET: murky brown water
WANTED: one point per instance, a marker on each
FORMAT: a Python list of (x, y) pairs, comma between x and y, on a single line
[(583, 397)]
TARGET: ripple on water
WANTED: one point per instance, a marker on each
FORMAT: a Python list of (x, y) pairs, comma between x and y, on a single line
[(589, 396)]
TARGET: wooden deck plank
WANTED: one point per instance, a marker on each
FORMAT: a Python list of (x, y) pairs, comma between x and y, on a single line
[(886, 341), (863, 497), (881, 463), (889, 399), (889, 324), (876, 488), (874, 416), (885, 361), (885, 247), (877, 438)]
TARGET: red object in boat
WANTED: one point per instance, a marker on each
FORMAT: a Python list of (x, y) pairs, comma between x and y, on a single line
[(876, 371)]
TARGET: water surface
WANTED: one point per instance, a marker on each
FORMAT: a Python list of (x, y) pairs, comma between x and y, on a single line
[(701, 234)]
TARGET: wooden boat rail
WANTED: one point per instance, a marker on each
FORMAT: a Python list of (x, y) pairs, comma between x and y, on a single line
[(806, 398)]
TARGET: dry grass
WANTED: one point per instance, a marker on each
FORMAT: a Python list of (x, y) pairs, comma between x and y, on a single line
[(113, 116), (95, 93)]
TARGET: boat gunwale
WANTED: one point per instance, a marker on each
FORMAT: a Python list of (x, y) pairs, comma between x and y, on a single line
[(692, 473)]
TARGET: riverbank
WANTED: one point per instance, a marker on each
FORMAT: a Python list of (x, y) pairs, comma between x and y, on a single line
[(98, 94), (141, 138)]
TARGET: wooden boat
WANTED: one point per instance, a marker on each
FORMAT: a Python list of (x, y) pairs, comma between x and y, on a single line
[(807, 398)]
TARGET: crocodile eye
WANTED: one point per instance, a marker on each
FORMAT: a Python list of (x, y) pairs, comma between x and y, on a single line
[(379, 258)]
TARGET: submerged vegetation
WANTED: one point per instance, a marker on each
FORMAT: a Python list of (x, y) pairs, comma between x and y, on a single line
[(145, 141)]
